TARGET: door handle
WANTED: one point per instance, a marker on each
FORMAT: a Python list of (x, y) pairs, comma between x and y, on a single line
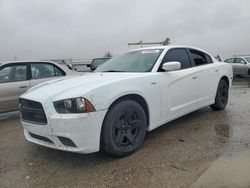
[(216, 70), (23, 87), (195, 77)]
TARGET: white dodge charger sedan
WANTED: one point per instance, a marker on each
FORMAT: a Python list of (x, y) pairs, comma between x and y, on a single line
[(113, 108)]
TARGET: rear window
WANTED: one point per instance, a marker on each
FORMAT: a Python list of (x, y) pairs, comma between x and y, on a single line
[(44, 70), (199, 58), (248, 59)]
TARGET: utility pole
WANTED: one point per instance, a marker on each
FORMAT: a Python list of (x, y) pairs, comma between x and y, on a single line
[(166, 42)]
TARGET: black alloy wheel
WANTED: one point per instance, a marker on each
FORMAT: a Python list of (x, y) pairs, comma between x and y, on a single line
[(124, 129), (222, 96)]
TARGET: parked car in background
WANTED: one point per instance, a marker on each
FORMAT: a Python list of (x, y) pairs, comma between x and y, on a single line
[(241, 65), (97, 62), (113, 108), (81, 65), (18, 77)]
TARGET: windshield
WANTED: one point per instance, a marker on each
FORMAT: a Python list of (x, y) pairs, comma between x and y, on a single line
[(98, 62), (248, 59), (135, 61)]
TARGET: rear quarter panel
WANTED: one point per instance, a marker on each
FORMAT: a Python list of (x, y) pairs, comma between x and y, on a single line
[(226, 70)]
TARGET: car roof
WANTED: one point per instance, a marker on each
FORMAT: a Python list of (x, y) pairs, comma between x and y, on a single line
[(29, 61), (170, 47), (239, 56), (63, 67)]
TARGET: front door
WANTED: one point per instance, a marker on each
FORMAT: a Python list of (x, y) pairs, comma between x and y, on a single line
[(13, 83), (178, 88), (240, 66)]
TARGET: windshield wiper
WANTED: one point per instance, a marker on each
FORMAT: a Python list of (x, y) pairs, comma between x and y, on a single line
[(113, 71)]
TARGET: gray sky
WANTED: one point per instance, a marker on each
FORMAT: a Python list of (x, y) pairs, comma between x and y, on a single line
[(40, 29)]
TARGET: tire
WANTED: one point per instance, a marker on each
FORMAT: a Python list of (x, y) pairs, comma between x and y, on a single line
[(222, 95), (124, 129), (249, 72)]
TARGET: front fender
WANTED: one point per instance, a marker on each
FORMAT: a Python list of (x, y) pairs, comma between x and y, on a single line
[(102, 97)]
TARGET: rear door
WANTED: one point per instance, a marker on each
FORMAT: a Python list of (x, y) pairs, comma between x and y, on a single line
[(42, 72), (241, 66), (207, 75), (178, 88), (13, 83), (231, 62)]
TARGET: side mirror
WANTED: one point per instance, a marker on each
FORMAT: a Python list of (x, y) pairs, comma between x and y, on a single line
[(88, 65), (93, 67), (171, 66)]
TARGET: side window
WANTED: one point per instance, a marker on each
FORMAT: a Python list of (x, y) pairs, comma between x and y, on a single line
[(14, 73), (229, 60), (59, 72), (240, 61), (5, 74), (44, 70), (20, 73), (179, 55), (209, 59), (200, 58)]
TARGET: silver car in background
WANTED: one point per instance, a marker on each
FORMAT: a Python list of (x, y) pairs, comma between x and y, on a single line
[(241, 65), (17, 77)]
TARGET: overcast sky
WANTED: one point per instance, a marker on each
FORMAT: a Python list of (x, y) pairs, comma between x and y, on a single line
[(41, 29)]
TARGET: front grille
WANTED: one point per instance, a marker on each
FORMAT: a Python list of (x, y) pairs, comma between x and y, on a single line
[(45, 139), (32, 112)]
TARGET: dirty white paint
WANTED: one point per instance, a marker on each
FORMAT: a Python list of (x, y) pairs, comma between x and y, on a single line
[(168, 95)]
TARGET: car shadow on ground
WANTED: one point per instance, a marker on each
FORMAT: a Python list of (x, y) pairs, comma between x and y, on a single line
[(9, 115), (241, 81)]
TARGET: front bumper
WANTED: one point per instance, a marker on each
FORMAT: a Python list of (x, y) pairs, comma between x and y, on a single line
[(83, 130)]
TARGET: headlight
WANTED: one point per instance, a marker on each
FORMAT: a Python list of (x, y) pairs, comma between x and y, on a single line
[(75, 105)]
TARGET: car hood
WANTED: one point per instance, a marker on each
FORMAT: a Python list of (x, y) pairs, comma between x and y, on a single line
[(68, 87)]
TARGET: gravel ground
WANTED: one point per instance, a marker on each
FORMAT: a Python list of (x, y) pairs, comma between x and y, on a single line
[(174, 155)]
